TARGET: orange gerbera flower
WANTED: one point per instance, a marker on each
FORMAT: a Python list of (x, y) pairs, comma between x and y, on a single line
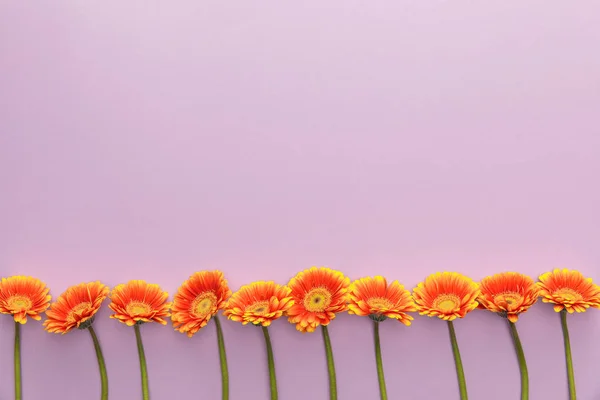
[(318, 293), (374, 298), (259, 303), (447, 295), (76, 307), (569, 290), (23, 296), (508, 294), (137, 302), (197, 300)]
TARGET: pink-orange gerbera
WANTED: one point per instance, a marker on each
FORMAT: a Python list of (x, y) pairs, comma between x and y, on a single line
[(258, 303), (76, 307), (23, 296), (318, 293), (138, 301), (569, 290), (447, 295), (508, 294), (374, 298), (197, 300)]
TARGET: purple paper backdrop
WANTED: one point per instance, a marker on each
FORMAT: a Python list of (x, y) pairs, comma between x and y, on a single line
[(149, 140)]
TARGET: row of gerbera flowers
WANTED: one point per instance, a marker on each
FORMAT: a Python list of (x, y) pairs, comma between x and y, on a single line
[(311, 299)]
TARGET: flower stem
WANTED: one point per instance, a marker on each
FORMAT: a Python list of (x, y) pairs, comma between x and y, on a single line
[(143, 368), (101, 364), (18, 361), (460, 373), (330, 364), (380, 376), (522, 363), (570, 373), (272, 377), (223, 358)]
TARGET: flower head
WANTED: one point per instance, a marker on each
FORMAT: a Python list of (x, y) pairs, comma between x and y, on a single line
[(259, 303), (447, 295), (137, 302), (318, 293), (76, 307), (374, 298), (197, 300), (23, 296), (569, 290), (508, 294)]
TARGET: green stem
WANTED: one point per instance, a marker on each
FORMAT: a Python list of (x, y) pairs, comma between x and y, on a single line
[(272, 377), (330, 364), (570, 373), (143, 368), (101, 364), (522, 363), (380, 376), (223, 358), (18, 395), (460, 373)]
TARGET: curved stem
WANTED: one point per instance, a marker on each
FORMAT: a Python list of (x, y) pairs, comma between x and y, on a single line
[(101, 364), (380, 376), (223, 359), (330, 364), (569, 359), (18, 395), (272, 377), (460, 373), (143, 367), (522, 363)]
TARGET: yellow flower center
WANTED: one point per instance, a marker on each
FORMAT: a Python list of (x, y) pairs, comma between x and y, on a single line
[(19, 303), (509, 298), (203, 304), (77, 311), (446, 302), (380, 303), (138, 308), (317, 299), (568, 294), (259, 308)]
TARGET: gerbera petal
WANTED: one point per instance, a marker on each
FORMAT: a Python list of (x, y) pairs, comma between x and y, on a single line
[(508, 293), (139, 301), (75, 306), (372, 296), (259, 303), (447, 295), (23, 296), (569, 289), (197, 300), (318, 294)]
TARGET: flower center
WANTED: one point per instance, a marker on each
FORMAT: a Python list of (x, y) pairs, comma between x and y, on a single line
[(317, 299), (509, 298), (138, 308), (203, 304), (77, 311), (19, 303), (380, 303), (446, 302), (259, 308), (568, 294)]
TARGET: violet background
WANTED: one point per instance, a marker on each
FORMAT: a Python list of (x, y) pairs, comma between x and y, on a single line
[(148, 140)]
